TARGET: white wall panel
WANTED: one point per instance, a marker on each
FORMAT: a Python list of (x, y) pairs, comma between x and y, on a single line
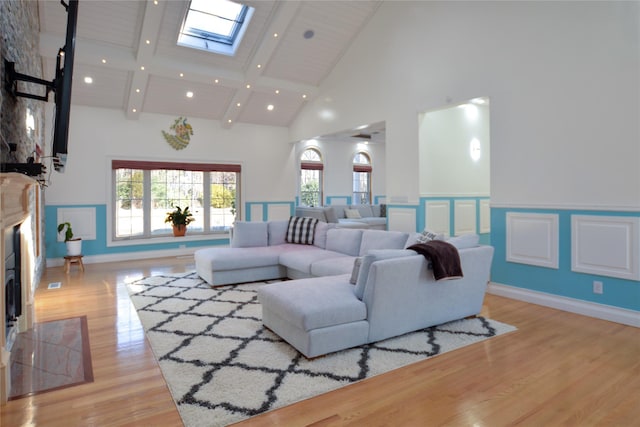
[(464, 217), (278, 212), (82, 220), (605, 245), (256, 212), (339, 201), (485, 216), (532, 239), (437, 216), (402, 219)]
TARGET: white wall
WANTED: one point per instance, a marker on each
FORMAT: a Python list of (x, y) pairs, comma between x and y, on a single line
[(563, 79), (338, 165), (98, 135), (446, 166)]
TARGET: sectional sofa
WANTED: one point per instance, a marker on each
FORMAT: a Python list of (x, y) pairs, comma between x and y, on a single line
[(336, 302), (348, 216)]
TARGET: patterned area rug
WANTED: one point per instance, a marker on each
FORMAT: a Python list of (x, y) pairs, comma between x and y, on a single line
[(223, 366)]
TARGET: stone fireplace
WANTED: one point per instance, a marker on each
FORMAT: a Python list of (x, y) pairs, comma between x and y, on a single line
[(19, 223)]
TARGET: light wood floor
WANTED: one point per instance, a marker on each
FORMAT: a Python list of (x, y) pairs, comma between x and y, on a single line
[(557, 369)]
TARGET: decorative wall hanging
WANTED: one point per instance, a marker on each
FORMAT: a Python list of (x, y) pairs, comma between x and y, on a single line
[(183, 132)]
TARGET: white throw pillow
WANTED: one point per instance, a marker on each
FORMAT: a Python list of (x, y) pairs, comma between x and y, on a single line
[(427, 236), (352, 213)]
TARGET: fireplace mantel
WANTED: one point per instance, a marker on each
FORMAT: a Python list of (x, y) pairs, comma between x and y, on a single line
[(18, 205)]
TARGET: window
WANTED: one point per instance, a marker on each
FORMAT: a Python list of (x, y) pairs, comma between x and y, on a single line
[(361, 179), (145, 191), (214, 25), (311, 168)]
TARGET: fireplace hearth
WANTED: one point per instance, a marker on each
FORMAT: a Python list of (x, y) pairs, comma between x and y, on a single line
[(12, 280), (20, 254)]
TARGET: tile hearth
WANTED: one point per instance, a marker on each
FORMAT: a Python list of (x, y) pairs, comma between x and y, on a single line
[(51, 356)]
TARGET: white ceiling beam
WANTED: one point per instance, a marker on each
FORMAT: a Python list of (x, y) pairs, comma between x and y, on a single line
[(283, 16), (147, 42)]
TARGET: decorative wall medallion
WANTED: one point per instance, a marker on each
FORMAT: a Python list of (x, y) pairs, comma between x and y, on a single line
[(183, 132)]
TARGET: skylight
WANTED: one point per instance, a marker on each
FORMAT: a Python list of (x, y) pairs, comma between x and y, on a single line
[(215, 25)]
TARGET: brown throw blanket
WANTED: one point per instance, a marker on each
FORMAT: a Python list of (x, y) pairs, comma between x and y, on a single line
[(444, 258)]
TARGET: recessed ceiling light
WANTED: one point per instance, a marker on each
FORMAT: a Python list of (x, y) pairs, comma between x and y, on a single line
[(181, 74), (189, 94), (277, 91), (142, 68), (229, 121), (155, 2), (134, 110), (104, 61), (138, 90), (216, 81), (238, 104), (259, 65), (248, 86), (88, 80), (270, 107), (148, 41), (304, 96), (275, 34)]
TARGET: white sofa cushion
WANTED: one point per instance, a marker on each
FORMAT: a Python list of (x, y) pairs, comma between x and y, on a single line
[(221, 259), (301, 260), (333, 266), (379, 239), (320, 239), (339, 210), (465, 241), (370, 258), (277, 231), (313, 303), (364, 210), (344, 240), (250, 234)]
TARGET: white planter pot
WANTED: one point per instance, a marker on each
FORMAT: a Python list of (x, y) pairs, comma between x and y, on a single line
[(74, 247)]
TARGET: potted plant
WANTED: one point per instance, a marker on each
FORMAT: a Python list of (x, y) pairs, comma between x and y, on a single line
[(179, 219), (74, 246)]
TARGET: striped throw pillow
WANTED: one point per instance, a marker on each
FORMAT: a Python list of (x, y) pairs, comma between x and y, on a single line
[(301, 230)]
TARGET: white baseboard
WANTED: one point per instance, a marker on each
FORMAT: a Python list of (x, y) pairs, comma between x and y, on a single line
[(591, 309), (127, 256)]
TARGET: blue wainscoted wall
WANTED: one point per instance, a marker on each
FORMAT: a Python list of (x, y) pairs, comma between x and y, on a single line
[(562, 281), (98, 247)]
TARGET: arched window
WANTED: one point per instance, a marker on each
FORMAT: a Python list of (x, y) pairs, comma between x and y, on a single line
[(311, 168), (361, 179)]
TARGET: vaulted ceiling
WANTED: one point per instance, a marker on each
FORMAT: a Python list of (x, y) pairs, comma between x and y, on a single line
[(275, 64)]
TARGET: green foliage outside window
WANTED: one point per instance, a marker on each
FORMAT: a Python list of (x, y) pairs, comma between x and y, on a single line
[(222, 197), (309, 194)]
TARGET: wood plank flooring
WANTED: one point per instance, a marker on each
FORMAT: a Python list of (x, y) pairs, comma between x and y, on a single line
[(557, 369)]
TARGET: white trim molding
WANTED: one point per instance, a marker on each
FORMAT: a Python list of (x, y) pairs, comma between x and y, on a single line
[(485, 216), (532, 239), (464, 214), (277, 212), (401, 219), (437, 217), (606, 246), (82, 220), (586, 308)]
